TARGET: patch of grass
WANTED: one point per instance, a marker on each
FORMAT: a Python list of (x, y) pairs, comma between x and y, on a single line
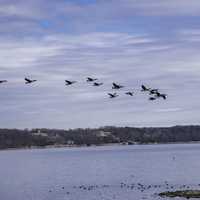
[(182, 193)]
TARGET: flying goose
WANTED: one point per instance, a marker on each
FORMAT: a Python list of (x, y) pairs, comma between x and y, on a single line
[(97, 84), (29, 80), (153, 91), (164, 96), (69, 82), (129, 93), (152, 98), (3, 81), (144, 88), (116, 86), (89, 79), (113, 95)]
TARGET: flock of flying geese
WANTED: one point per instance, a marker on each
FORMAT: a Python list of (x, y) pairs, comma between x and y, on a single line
[(154, 93)]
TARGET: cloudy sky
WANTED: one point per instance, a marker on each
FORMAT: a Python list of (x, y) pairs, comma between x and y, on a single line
[(132, 42)]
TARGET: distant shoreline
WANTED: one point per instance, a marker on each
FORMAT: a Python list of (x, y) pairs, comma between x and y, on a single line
[(86, 146), (103, 136)]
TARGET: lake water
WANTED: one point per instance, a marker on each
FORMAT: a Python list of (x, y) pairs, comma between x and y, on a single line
[(94, 173)]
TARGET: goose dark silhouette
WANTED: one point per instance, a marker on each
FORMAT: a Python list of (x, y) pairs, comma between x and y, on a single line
[(67, 82), (117, 86), (89, 79), (129, 93), (152, 98), (153, 91), (3, 81), (144, 88), (28, 81), (113, 95), (164, 96), (97, 84)]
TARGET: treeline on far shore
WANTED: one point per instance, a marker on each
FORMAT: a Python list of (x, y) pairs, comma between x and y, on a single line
[(15, 138)]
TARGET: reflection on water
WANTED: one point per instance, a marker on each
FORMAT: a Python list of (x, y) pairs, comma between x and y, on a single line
[(94, 173)]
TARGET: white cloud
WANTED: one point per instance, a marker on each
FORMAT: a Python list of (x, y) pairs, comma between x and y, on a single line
[(169, 8), (189, 35), (22, 9), (27, 53)]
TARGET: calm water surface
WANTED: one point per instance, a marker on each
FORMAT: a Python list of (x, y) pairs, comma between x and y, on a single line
[(94, 173)]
